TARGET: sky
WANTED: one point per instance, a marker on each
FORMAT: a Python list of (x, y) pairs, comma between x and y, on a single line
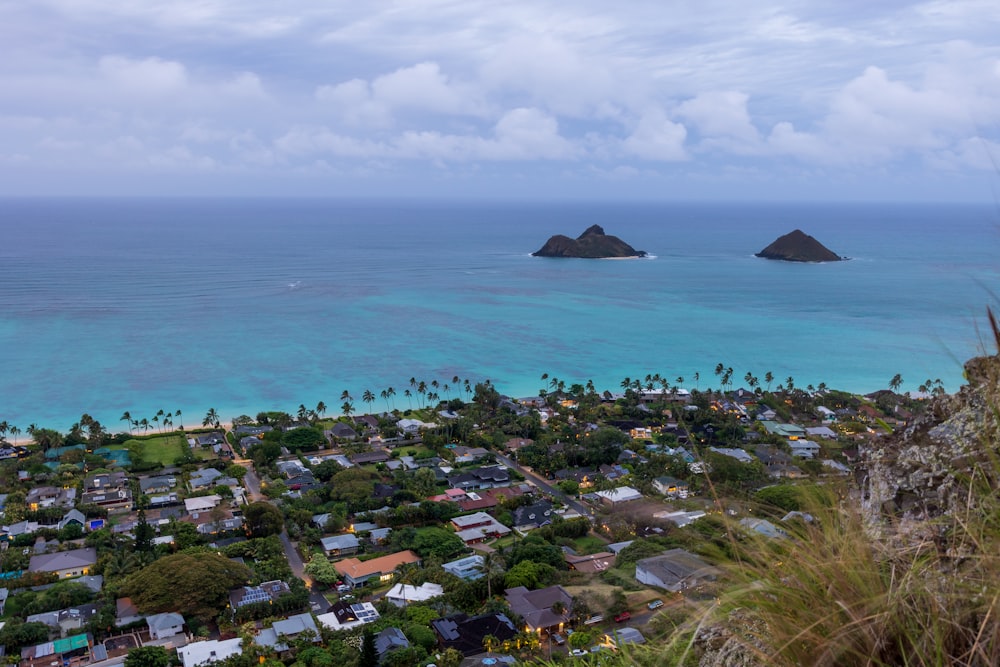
[(659, 100)]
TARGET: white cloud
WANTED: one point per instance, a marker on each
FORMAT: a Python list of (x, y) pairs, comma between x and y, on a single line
[(145, 77), (657, 138)]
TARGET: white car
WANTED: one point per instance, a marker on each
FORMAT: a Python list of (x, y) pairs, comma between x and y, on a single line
[(578, 652)]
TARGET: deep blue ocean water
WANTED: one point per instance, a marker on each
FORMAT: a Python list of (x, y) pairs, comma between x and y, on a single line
[(246, 305)]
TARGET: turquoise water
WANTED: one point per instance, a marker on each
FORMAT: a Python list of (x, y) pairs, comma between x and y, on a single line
[(246, 305)]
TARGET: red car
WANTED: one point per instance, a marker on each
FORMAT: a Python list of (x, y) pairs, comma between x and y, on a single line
[(622, 617)]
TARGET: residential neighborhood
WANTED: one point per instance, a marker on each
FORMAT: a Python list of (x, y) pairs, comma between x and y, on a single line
[(481, 531)]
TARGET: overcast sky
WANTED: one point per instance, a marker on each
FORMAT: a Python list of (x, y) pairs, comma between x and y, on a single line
[(708, 99)]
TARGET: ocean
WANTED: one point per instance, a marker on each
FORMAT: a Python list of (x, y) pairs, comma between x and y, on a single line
[(243, 305)]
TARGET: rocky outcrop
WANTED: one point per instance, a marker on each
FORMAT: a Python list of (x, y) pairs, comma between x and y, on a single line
[(797, 246), (592, 244), (940, 464)]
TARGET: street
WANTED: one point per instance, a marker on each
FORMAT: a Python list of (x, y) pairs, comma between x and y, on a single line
[(544, 485)]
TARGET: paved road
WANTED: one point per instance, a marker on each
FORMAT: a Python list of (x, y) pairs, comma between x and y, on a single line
[(544, 485)]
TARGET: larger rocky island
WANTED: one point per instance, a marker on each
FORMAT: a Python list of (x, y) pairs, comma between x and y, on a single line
[(592, 244), (797, 246)]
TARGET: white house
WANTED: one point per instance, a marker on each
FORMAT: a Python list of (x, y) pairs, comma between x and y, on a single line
[(622, 494), (343, 616), (404, 594), (164, 626), (201, 503), (203, 653)]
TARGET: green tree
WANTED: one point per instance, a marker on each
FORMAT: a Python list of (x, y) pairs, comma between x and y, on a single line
[(263, 519), (437, 542), (147, 656), (320, 569), (196, 581), (144, 534), (369, 655), (14, 635), (529, 574)]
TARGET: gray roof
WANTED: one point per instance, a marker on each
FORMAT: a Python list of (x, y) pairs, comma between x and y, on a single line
[(340, 542), (390, 639), (63, 560), (164, 621)]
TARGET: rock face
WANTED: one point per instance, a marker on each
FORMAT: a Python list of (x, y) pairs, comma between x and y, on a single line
[(592, 244), (799, 247), (924, 472)]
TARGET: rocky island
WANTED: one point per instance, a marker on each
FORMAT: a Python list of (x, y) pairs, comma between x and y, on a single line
[(798, 246), (592, 244)]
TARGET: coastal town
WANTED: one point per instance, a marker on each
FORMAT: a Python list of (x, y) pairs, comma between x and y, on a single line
[(475, 529)]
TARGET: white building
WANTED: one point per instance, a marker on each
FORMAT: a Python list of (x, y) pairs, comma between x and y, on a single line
[(203, 653), (622, 494), (404, 594)]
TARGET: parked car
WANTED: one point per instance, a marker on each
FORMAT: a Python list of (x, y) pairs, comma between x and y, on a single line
[(622, 617), (655, 604), (558, 639), (577, 652), (343, 588)]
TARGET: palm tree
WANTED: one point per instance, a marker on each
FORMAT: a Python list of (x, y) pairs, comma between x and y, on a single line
[(422, 390), (144, 424), (391, 392), (369, 398), (303, 412), (790, 383), (14, 431), (211, 418), (896, 382), (697, 377), (177, 413), (769, 378), (321, 409), (409, 397), (160, 414), (385, 397), (156, 421), (347, 408), (127, 418)]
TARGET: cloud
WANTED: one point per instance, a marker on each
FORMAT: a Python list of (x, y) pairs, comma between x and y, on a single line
[(657, 138), (145, 77)]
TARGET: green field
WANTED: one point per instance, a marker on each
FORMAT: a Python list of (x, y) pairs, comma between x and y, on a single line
[(163, 450), (589, 544)]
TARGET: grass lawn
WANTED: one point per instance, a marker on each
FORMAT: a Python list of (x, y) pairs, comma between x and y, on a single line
[(163, 450), (589, 544)]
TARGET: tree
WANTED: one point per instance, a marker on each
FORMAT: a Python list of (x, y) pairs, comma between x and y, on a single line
[(198, 583), (144, 534), (263, 519), (147, 656), (15, 635), (211, 418), (369, 654), (321, 409), (320, 569), (896, 382), (769, 378), (437, 542)]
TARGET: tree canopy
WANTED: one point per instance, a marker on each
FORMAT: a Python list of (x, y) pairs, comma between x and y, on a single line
[(263, 519), (197, 582)]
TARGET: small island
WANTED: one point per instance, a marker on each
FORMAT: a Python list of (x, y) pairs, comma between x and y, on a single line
[(592, 244), (798, 246)]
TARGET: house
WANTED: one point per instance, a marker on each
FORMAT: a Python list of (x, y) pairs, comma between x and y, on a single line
[(203, 479), (486, 477), (74, 516), (805, 449), (469, 454), (41, 497), (164, 626), (268, 591), (357, 573), (536, 515), (340, 431), (73, 563), (671, 487), (113, 499), (74, 650), (622, 494), (66, 620), (390, 639), (365, 458), (201, 503), (478, 527), (466, 634), (126, 612), (536, 607), (763, 527), (206, 652), (740, 455), (674, 570), (158, 484), (276, 637), (469, 568), (249, 429), (620, 636), (344, 616), (340, 545), (589, 563), (401, 595)]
